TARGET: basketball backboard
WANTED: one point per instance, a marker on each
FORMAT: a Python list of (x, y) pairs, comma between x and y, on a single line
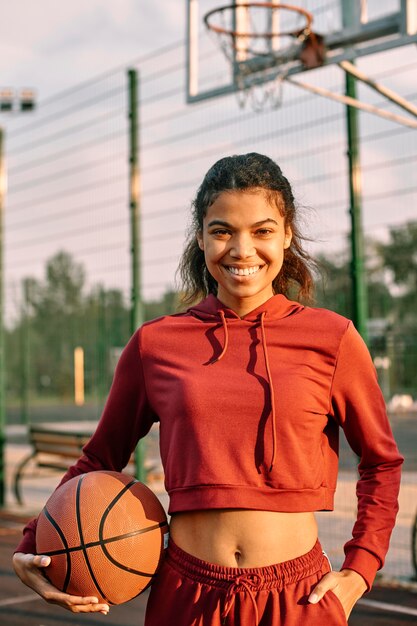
[(351, 29)]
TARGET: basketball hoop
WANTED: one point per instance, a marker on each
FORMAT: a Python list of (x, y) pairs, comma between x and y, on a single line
[(268, 43), (281, 34)]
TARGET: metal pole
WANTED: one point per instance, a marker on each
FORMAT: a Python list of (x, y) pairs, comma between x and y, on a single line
[(2, 334), (102, 345), (363, 106), (134, 201), (359, 287), (352, 18), (24, 418), (137, 316)]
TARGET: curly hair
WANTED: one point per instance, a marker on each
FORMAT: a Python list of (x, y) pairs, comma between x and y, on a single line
[(241, 172)]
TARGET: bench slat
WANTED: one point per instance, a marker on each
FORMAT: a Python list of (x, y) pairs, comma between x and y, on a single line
[(56, 450), (38, 438)]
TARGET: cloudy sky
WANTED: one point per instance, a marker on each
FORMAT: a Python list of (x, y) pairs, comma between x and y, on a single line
[(50, 45)]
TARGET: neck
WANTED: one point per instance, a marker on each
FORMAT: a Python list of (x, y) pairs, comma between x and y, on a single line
[(242, 306)]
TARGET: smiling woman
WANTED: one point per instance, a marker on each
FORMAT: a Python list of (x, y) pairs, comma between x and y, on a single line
[(248, 200), (250, 390), (243, 239)]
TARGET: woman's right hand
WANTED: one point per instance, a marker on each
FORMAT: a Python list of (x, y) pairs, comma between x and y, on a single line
[(28, 568)]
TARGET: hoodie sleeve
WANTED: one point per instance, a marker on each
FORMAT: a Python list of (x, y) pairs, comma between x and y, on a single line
[(359, 407), (126, 418)]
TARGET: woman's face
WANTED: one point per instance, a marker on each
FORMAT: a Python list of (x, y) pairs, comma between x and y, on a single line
[(243, 240)]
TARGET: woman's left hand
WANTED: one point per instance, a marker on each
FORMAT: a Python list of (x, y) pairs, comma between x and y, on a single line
[(347, 585)]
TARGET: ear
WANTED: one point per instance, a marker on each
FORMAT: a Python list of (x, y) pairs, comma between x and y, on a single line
[(200, 240), (287, 238)]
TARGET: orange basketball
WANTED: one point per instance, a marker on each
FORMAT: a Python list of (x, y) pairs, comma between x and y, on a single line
[(104, 532)]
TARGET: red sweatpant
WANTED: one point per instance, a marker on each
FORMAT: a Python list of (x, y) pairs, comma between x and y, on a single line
[(191, 592)]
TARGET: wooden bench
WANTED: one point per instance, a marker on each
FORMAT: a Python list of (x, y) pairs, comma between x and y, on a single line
[(55, 448)]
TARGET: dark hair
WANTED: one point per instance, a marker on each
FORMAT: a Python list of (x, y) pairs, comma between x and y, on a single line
[(251, 171)]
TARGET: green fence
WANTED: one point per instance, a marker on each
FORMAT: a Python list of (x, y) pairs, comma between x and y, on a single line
[(67, 246)]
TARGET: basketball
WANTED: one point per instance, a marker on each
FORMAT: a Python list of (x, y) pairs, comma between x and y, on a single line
[(104, 532)]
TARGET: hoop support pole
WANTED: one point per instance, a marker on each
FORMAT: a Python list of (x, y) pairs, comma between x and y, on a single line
[(384, 91), (357, 263), (364, 106)]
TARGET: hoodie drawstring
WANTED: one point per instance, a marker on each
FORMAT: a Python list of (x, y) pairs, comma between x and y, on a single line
[(268, 371), (271, 392), (226, 337)]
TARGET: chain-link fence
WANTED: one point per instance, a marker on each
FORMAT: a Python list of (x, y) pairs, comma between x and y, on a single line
[(68, 242)]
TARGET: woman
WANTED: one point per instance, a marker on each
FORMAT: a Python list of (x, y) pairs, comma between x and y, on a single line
[(250, 389)]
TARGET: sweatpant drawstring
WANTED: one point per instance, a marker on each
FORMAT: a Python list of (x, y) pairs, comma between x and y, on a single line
[(250, 582)]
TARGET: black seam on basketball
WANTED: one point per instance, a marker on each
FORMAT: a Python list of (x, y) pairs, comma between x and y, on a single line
[(148, 584), (66, 551), (113, 502), (83, 547), (93, 544), (101, 531), (125, 567)]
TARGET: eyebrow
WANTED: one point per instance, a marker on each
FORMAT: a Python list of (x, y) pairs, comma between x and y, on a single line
[(223, 223)]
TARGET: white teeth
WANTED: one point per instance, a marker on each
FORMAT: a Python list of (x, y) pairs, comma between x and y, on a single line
[(243, 272)]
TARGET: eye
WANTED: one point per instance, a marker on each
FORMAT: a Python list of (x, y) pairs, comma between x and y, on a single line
[(264, 231), (220, 232)]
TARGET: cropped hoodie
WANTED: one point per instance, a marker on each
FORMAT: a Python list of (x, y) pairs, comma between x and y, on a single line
[(250, 411)]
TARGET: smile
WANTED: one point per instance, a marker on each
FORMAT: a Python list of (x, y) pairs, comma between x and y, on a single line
[(247, 271)]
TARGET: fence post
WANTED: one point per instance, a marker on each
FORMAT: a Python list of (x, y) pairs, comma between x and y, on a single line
[(137, 317), (2, 333), (359, 288), (25, 352), (351, 17)]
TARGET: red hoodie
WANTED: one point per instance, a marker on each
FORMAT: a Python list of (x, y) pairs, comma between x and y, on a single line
[(249, 411)]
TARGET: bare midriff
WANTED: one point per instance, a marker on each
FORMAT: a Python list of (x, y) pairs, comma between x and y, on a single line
[(244, 538)]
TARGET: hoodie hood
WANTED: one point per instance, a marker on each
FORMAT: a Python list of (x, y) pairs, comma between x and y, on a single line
[(276, 307)]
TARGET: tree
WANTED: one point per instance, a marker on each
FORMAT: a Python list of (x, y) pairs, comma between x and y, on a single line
[(399, 257), (334, 284), (56, 308), (60, 314), (167, 305)]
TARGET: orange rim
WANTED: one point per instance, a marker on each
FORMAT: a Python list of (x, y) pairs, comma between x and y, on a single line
[(264, 5)]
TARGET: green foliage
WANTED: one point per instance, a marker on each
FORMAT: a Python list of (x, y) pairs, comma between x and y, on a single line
[(59, 314), (399, 257), (166, 306), (334, 287)]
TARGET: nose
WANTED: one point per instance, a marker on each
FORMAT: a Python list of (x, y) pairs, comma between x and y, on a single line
[(242, 247)]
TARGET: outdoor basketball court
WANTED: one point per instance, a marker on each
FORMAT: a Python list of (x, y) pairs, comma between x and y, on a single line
[(257, 51)]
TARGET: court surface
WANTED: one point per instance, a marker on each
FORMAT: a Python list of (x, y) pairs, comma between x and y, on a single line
[(20, 607)]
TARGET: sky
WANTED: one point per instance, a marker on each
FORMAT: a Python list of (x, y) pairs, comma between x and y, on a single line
[(49, 45)]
